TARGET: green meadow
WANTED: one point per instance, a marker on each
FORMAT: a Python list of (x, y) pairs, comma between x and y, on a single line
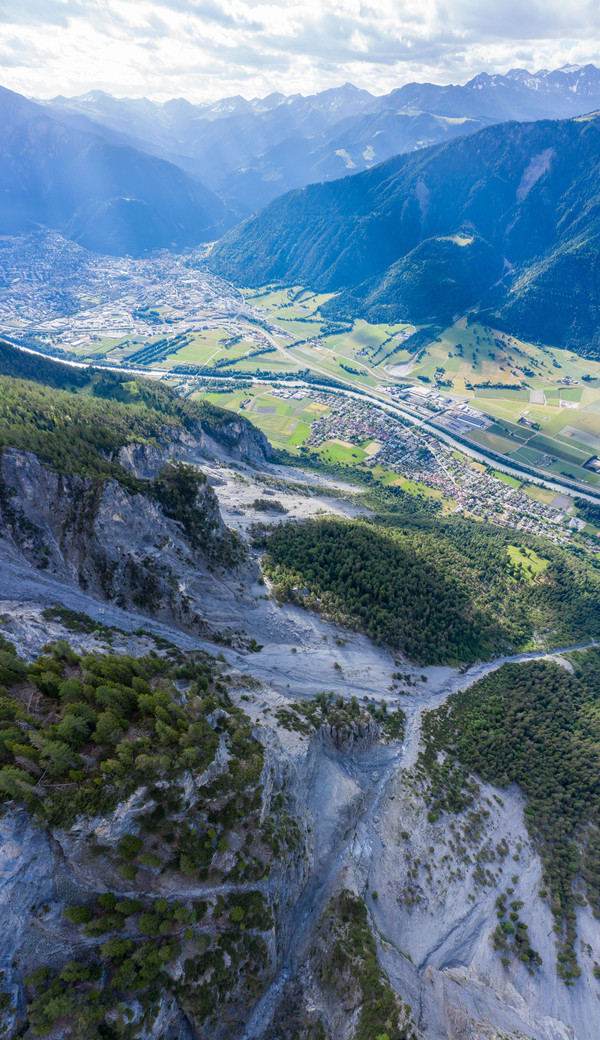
[(543, 403)]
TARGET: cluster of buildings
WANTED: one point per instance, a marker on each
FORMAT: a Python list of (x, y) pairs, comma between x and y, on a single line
[(457, 417), (417, 454), (60, 295), (288, 393), (481, 494), (359, 423)]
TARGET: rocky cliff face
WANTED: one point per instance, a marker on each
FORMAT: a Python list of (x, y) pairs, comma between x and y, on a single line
[(232, 440), (116, 544), (268, 866), (257, 838), (362, 916), (238, 440), (445, 888)]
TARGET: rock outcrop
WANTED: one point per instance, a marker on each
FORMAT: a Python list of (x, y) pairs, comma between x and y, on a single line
[(233, 440), (115, 543)]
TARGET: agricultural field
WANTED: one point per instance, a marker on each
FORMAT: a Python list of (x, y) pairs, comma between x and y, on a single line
[(219, 347), (543, 403), (291, 303), (342, 452), (543, 412), (286, 422), (99, 347), (365, 348), (364, 353), (206, 347), (214, 347), (295, 310), (475, 354), (503, 377)]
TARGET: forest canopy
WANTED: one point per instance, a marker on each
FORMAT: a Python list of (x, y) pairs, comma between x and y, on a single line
[(76, 421), (438, 591)]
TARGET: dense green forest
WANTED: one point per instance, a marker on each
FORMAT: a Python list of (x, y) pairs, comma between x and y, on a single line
[(73, 433), (439, 591), (91, 705), (76, 421), (538, 726), (78, 734), (149, 394)]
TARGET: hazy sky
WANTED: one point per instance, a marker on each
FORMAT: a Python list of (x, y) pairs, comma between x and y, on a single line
[(211, 48)]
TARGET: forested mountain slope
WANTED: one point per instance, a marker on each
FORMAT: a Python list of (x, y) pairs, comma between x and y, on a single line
[(99, 482), (506, 219), (112, 198), (250, 151)]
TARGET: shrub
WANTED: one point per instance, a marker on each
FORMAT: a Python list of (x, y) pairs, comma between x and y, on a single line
[(116, 949), (78, 914), (129, 846)]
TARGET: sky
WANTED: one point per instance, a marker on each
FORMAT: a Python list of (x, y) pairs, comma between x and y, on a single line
[(206, 49)]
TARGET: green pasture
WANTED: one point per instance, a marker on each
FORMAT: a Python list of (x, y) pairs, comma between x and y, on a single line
[(479, 354), (104, 345), (506, 478), (286, 423), (266, 362), (525, 563), (553, 447), (502, 408), (333, 451), (539, 494), (581, 438), (571, 393), (287, 303), (528, 456), (331, 365), (577, 472), (305, 329), (517, 396), (492, 440)]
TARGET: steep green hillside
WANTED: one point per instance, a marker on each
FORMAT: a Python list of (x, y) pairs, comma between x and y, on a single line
[(441, 277), (438, 590), (75, 421), (508, 217)]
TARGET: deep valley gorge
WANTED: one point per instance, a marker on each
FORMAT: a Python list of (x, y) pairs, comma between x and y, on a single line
[(228, 812)]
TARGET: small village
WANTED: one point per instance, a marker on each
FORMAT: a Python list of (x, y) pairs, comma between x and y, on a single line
[(413, 452)]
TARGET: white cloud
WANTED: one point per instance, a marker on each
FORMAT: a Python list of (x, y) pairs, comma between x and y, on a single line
[(209, 48)]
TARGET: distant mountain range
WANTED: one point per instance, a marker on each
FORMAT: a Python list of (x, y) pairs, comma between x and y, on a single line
[(506, 220), (127, 176), (251, 151), (109, 197)]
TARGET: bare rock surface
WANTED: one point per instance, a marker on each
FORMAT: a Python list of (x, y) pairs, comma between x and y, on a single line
[(358, 799)]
